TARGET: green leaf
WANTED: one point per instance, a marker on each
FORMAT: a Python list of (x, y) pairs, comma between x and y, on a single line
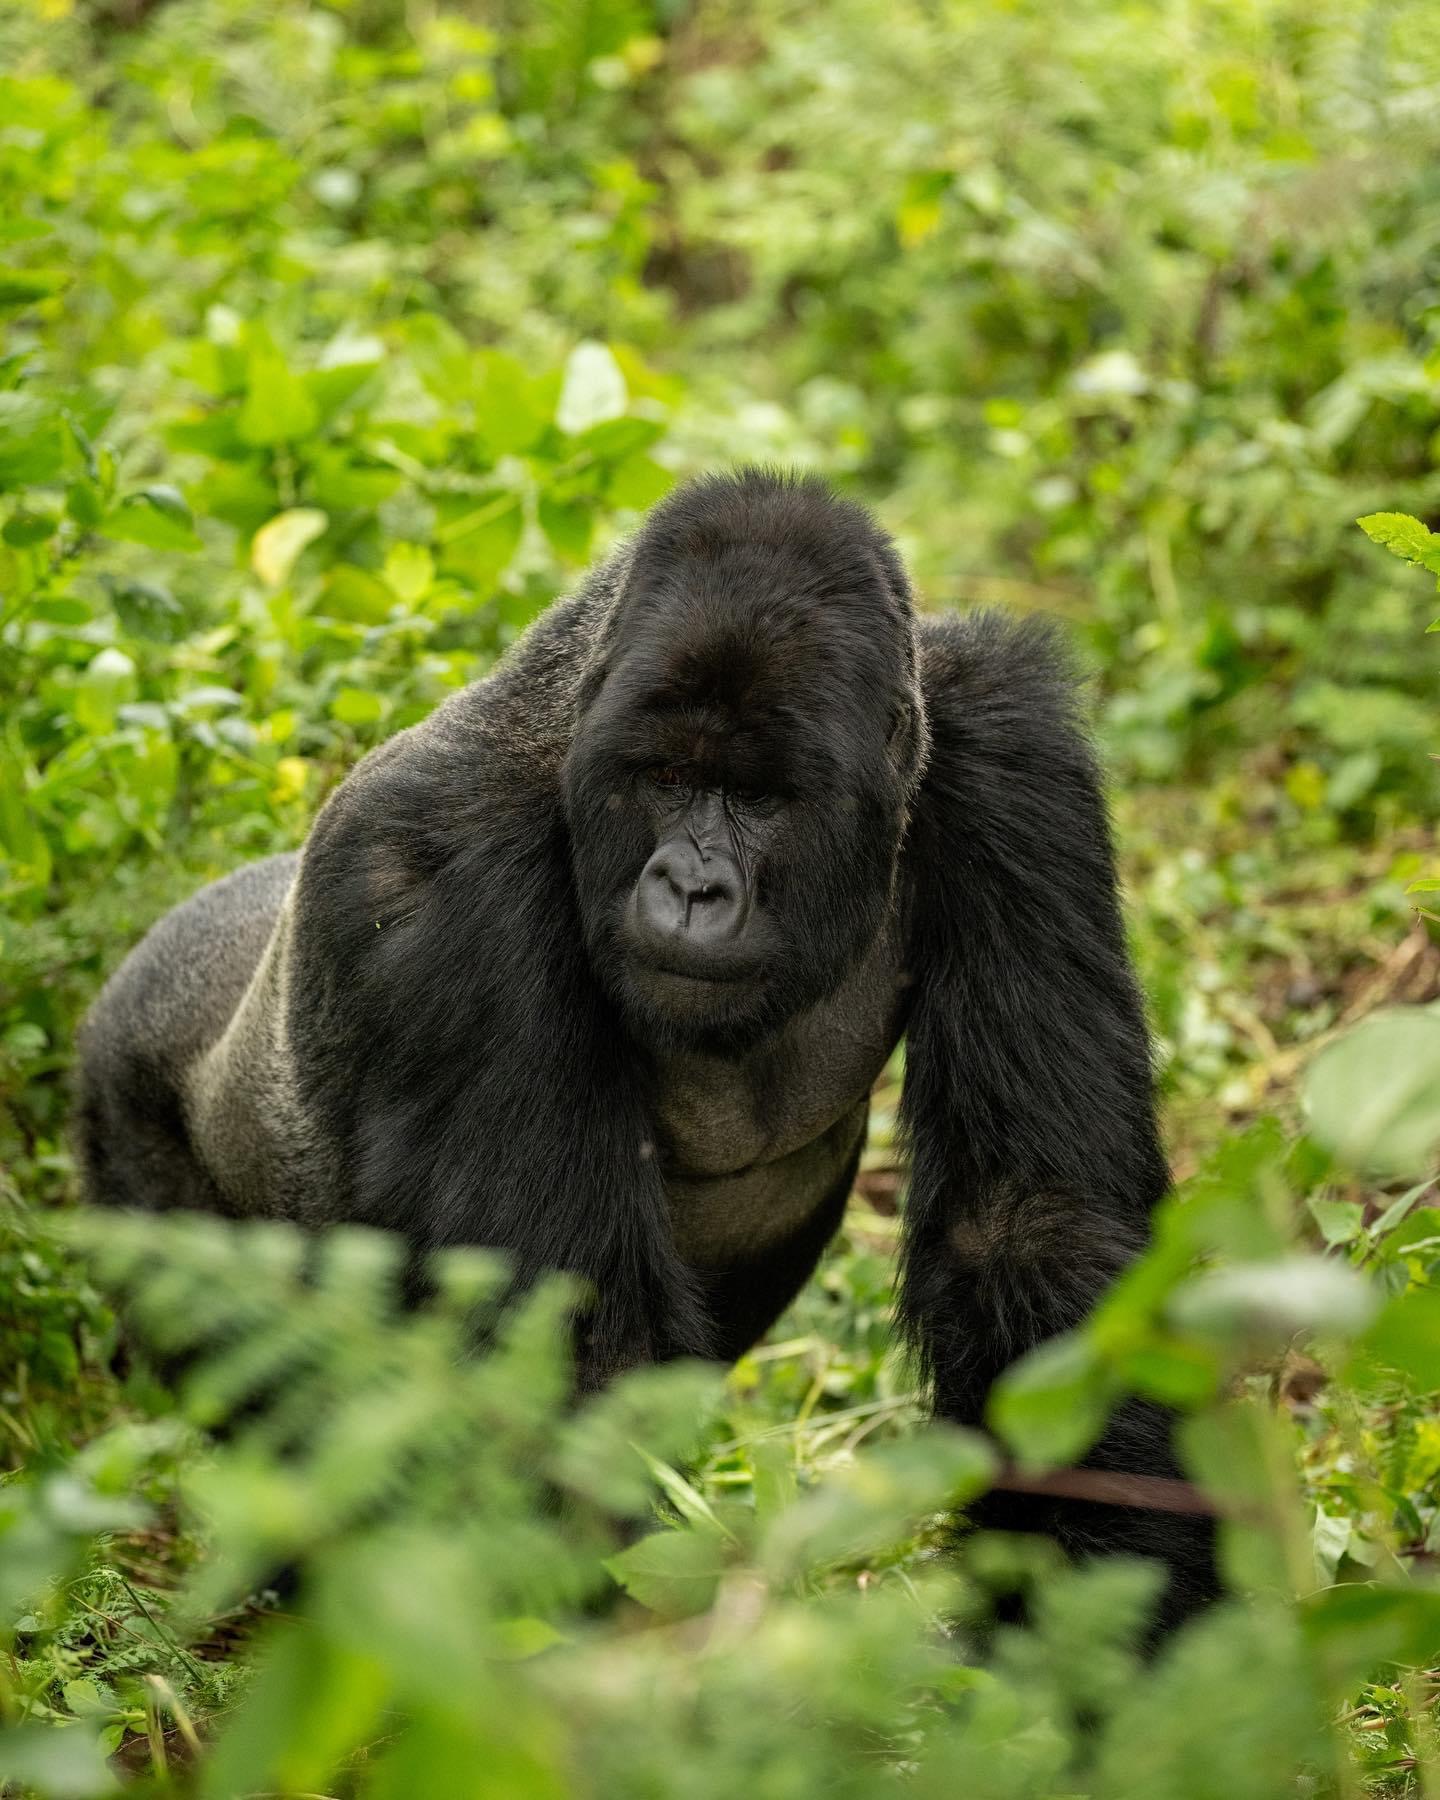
[(89, 1698), (32, 440), (168, 501), (594, 389), (1406, 1337), (16, 229), (1368, 1625), (1240, 1454), (1050, 1407), (156, 516), (351, 593), (773, 1482), (512, 409), (62, 609), (1275, 1300), (525, 1637), (277, 545), (345, 367), (203, 699), (339, 484), (148, 610), (683, 1495), (441, 357), (674, 1573), (240, 494), (870, 1507), (1176, 1371), (311, 1700), (618, 439), (22, 840), (1373, 1096), (1405, 1226), (1357, 718), (409, 570), (213, 434), (638, 481), (68, 1764), (358, 706), (85, 503), (25, 529), (479, 543), (1404, 537), (1340, 1221), (568, 525), (663, 1408), (278, 407), (108, 682), (22, 287)]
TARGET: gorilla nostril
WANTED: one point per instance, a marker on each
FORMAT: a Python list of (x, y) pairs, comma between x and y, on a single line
[(674, 900), (714, 912)]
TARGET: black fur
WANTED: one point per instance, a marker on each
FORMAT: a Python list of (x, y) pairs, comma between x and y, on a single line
[(458, 1024), (1035, 1161)]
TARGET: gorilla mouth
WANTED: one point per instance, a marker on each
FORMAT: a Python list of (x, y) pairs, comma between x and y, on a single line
[(666, 995), (702, 973), (675, 957)]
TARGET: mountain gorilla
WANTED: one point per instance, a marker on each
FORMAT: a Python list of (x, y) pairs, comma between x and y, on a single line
[(598, 964)]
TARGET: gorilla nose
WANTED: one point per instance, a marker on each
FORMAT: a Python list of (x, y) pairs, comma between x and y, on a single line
[(682, 896)]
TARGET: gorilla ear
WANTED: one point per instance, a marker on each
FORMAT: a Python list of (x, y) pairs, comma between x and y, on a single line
[(591, 684), (909, 739), (900, 719)]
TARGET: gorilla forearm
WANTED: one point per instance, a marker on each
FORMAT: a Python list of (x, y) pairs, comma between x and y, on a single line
[(1008, 1275), (1027, 1104)]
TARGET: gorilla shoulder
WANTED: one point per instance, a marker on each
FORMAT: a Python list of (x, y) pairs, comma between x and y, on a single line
[(168, 1004)]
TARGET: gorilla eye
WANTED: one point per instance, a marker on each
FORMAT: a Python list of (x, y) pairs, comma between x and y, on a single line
[(667, 776)]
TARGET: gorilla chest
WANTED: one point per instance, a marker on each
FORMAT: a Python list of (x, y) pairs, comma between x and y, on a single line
[(752, 1146)]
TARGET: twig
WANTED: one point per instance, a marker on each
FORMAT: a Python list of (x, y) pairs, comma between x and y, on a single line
[(1109, 1487)]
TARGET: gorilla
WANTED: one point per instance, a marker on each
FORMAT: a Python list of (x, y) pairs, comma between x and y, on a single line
[(597, 966)]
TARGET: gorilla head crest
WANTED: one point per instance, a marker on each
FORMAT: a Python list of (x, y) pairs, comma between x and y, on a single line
[(739, 780)]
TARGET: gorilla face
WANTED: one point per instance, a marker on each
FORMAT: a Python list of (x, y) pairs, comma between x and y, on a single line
[(692, 913), (736, 788)]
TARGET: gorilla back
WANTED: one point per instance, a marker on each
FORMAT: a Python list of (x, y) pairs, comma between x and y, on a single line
[(598, 963)]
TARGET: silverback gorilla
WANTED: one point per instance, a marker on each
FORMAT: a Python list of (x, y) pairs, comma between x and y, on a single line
[(598, 964)]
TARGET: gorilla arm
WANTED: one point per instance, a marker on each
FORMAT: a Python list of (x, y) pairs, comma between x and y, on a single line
[(452, 1048), (1027, 1100), (401, 1028)]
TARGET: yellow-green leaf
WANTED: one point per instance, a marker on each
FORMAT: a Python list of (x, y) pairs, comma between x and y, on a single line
[(277, 545)]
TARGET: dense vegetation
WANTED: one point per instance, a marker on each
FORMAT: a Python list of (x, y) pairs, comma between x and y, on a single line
[(336, 339)]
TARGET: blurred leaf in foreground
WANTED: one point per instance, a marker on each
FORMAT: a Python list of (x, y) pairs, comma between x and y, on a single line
[(1373, 1096)]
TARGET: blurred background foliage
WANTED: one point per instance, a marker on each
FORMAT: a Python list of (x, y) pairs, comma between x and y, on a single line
[(335, 340)]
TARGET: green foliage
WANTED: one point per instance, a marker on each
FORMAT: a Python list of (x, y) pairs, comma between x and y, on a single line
[(453, 1534), (336, 341), (1374, 1095), (1406, 537)]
